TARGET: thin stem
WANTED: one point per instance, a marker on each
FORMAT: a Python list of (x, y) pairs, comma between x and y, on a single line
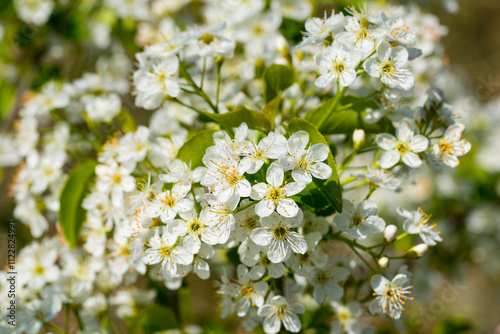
[(402, 236), (363, 259), (78, 318), (382, 250), (348, 180), (203, 72), (185, 105), (217, 94), (197, 205), (198, 90), (53, 328), (332, 109), (241, 208)]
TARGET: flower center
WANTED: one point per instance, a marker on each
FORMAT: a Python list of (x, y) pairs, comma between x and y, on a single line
[(168, 201), (250, 223), (233, 178), (339, 67), (275, 193), (387, 68), (364, 34), (258, 155), (304, 163), (117, 178), (402, 147), (39, 270), (195, 226), (206, 38), (321, 277), (165, 251), (246, 291), (280, 232), (344, 315), (280, 312), (357, 221), (445, 147)]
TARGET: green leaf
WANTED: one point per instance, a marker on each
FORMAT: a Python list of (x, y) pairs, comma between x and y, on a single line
[(276, 78), (330, 189), (233, 119), (193, 150), (157, 318), (7, 95), (313, 200), (348, 116), (71, 214), (271, 110), (126, 121)]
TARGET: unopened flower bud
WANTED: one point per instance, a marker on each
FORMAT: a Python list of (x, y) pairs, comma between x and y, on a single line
[(358, 137), (282, 46), (383, 262), (260, 65), (416, 251), (390, 233)]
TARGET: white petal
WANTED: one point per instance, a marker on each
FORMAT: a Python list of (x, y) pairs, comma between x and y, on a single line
[(264, 208), (260, 236), (334, 291), (287, 207), (400, 56), (192, 243), (324, 80), (411, 160), (182, 256), (321, 171), (243, 188), (275, 175), (302, 176), (384, 51), (297, 143), (277, 251), (318, 152), (178, 227), (379, 284), (202, 269), (372, 68), (389, 158), (294, 188), (454, 132), (399, 280), (287, 163), (386, 141), (292, 322), (348, 77), (272, 324), (404, 131), (419, 144), (296, 242)]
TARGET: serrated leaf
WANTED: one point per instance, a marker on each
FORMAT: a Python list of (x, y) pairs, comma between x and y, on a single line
[(233, 119), (348, 116), (71, 213), (193, 150), (276, 78), (330, 189)]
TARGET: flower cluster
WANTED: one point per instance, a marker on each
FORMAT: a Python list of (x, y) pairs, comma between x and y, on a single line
[(238, 170)]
